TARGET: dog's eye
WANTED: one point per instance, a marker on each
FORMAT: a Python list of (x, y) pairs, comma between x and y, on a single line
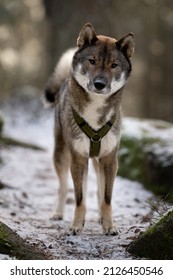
[(92, 61), (114, 65)]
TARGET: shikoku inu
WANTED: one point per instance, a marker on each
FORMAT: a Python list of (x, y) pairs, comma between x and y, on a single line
[(86, 88)]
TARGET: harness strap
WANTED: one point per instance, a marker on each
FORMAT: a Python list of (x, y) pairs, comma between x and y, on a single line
[(94, 136)]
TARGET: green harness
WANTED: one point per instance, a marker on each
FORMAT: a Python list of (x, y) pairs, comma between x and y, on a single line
[(94, 136)]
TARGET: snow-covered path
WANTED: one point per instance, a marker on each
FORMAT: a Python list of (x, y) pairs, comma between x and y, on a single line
[(27, 204)]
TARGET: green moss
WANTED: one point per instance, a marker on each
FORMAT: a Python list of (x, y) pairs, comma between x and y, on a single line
[(157, 241), (132, 159), (15, 246), (130, 155), (4, 239), (2, 233), (152, 229)]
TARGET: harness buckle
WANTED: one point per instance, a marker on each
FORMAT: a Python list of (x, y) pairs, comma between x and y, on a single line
[(96, 138)]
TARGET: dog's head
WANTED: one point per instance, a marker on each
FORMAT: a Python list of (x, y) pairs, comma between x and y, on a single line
[(102, 64)]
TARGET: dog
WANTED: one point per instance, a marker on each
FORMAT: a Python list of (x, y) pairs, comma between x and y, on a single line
[(86, 88)]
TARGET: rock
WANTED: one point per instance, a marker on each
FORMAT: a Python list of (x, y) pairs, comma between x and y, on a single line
[(156, 243), (15, 246), (146, 154)]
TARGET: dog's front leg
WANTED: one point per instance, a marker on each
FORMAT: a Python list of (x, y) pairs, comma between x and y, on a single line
[(79, 170), (107, 168)]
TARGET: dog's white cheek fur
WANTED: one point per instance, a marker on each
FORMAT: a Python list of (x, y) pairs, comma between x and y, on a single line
[(81, 79), (117, 85)]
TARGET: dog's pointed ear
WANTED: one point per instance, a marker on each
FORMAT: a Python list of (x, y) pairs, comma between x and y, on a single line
[(87, 36), (127, 44)]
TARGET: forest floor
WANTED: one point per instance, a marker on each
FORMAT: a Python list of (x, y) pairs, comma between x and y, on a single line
[(29, 198)]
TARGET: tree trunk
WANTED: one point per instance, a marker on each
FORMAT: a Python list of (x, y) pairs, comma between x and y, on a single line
[(157, 242)]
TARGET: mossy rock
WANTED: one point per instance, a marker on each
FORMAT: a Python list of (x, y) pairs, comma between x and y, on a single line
[(146, 155), (14, 246), (157, 242)]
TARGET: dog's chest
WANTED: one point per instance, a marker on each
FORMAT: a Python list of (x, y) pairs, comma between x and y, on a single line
[(94, 110), (108, 143), (92, 115)]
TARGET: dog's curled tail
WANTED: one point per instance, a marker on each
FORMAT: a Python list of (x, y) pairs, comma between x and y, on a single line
[(60, 74)]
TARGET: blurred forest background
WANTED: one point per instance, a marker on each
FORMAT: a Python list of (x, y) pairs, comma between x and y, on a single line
[(34, 33)]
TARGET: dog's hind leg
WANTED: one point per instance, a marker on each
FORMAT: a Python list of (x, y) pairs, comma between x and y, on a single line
[(107, 169), (61, 162), (79, 170)]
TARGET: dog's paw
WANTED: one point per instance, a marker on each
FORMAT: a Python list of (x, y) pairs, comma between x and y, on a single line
[(110, 230), (55, 216), (109, 227), (74, 230)]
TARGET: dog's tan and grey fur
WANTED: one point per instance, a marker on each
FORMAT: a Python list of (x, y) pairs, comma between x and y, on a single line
[(89, 80)]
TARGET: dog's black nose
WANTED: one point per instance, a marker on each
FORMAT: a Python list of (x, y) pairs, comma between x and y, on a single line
[(99, 84)]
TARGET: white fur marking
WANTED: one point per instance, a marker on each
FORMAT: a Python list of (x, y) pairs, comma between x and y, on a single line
[(91, 113), (81, 79), (82, 145), (117, 85), (108, 143)]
